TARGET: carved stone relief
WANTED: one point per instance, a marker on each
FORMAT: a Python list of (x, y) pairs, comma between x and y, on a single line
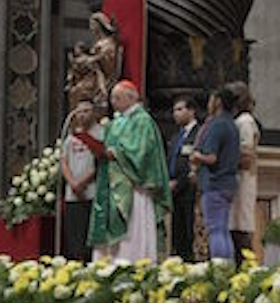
[(21, 108), (23, 59), (22, 93)]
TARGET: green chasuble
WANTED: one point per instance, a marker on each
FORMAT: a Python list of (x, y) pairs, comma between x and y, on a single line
[(140, 162)]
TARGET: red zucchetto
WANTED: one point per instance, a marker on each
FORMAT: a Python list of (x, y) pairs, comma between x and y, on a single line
[(128, 84)]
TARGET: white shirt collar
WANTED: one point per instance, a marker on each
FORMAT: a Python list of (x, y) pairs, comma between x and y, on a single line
[(190, 126), (131, 109)]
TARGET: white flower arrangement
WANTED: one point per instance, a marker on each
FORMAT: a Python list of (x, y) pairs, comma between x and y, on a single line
[(53, 280), (34, 191)]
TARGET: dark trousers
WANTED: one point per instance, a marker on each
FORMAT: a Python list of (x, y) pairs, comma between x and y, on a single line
[(241, 240), (76, 229), (183, 227)]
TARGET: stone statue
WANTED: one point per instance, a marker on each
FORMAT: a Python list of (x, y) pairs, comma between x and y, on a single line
[(94, 70)]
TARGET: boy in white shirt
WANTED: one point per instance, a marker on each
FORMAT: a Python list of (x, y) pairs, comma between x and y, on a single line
[(78, 168)]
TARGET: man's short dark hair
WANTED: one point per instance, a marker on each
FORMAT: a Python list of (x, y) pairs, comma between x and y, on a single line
[(188, 100), (228, 99)]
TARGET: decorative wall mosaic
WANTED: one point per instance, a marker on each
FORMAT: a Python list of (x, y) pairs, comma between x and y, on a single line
[(21, 108)]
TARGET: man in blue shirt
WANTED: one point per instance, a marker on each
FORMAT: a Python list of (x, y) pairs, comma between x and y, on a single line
[(217, 157)]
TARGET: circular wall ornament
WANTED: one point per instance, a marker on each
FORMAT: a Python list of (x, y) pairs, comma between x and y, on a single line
[(23, 59), (26, 4)]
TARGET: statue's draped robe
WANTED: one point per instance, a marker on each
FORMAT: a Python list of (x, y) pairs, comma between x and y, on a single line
[(140, 163)]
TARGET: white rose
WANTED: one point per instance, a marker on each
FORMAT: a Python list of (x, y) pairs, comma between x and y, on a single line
[(58, 142), (58, 261), (42, 189), (221, 262), (12, 191), (62, 292), (5, 258), (50, 197), (46, 162), (47, 151), (123, 286), (52, 159), (198, 270), (57, 153), (122, 262), (24, 186), (24, 177), (6, 261), (136, 297), (33, 172), (33, 286), (35, 180), (262, 298), (17, 181), (35, 162), (8, 292), (43, 175), (46, 273), (26, 168), (53, 170), (28, 264), (31, 196), (14, 275), (18, 201), (165, 277), (107, 271)]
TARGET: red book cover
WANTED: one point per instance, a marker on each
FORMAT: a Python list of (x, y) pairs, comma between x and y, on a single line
[(96, 146)]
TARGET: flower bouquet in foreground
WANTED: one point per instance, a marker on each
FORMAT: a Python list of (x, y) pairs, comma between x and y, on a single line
[(34, 191), (52, 280)]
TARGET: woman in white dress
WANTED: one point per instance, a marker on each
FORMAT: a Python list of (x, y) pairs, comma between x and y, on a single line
[(242, 223)]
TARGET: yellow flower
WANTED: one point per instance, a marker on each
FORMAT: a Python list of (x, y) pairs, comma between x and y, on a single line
[(186, 294), (252, 263), (143, 263), (62, 276), (138, 276), (103, 262), (158, 296), (126, 297), (21, 284), (73, 265), (222, 297), (161, 295), (248, 254), (46, 259), (47, 285), (32, 273), (84, 286), (179, 270), (240, 281), (171, 262), (197, 292), (267, 283)]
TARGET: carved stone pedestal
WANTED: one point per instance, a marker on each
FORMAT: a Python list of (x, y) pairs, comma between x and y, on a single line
[(268, 204)]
